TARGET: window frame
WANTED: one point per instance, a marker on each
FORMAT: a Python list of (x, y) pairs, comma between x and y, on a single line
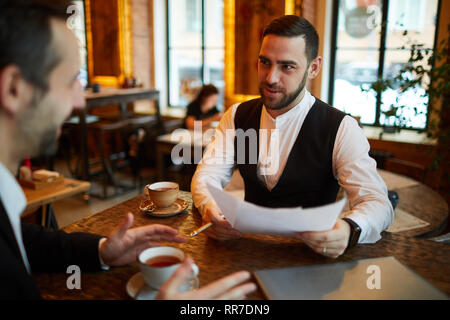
[(203, 49), (381, 58)]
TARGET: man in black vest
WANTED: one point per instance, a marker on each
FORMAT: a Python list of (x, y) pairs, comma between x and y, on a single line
[(39, 89), (305, 149)]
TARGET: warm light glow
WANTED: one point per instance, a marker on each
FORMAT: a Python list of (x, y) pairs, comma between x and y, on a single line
[(125, 38), (229, 21), (125, 46), (289, 7)]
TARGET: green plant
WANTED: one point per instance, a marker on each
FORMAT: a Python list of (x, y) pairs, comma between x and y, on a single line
[(426, 76), (427, 71)]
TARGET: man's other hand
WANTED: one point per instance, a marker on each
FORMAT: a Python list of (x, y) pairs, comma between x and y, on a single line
[(124, 245), (331, 243)]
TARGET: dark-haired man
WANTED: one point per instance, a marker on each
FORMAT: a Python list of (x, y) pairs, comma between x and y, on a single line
[(39, 64), (306, 149)]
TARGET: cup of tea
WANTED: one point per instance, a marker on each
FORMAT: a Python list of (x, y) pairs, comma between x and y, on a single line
[(157, 265), (163, 194)]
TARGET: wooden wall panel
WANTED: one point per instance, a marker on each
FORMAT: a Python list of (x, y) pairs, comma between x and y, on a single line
[(251, 18), (109, 41), (105, 37), (308, 10)]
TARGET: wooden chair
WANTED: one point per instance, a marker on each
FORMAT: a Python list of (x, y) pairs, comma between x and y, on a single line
[(406, 168), (141, 133), (112, 153)]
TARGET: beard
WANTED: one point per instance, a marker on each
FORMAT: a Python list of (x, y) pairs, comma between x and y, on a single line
[(38, 138), (286, 99)]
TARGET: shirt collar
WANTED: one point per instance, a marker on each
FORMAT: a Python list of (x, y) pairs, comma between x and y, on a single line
[(305, 103), (11, 194)]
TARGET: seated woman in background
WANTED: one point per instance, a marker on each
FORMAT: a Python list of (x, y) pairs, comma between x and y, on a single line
[(203, 108)]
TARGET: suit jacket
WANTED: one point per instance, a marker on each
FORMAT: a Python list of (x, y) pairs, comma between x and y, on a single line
[(47, 251)]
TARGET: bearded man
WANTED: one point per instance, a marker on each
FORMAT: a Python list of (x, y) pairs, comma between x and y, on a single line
[(306, 150)]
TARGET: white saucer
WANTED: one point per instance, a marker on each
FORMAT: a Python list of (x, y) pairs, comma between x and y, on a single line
[(177, 207), (139, 290)]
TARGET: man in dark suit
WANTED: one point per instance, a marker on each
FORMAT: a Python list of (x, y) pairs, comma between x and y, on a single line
[(39, 64)]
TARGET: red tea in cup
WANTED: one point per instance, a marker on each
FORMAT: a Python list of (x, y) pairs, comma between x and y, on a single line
[(162, 261)]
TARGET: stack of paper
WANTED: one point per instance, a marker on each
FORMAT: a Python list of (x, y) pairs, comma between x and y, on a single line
[(252, 219)]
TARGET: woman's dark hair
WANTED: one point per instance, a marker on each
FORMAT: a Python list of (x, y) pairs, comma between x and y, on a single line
[(206, 91), (295, 26), (26, 37)]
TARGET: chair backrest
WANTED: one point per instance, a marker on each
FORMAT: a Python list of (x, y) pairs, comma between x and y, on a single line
[(406, 168), (141, 121)]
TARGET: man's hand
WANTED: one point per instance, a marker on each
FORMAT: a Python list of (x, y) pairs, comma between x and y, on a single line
[(331, 243), (124, 245), (221, 230), (230, 287)]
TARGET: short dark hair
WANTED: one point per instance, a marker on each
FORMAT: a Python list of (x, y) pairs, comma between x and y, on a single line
[(206, 91), (26, 37), (295, 26)]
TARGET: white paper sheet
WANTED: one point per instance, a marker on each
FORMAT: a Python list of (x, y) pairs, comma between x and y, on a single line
[(252, 219)]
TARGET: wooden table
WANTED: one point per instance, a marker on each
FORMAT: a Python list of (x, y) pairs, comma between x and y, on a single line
[(216, 259), (106, 97), (46, 196), (420, 201), (415, 197)]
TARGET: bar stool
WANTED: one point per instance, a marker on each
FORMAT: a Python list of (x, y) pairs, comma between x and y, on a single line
[(141, 138), (113, 157), (70, 143)]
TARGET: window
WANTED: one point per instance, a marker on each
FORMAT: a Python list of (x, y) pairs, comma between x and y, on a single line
[(365, 52), (77, 24), (195, 48)]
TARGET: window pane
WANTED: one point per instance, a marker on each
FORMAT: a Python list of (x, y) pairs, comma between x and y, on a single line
[(418, 17), (186, 49), (359, 24), (214, 27), (76, 23), (415, 113), (214, 65), (185, 23), (185, 75), (356, 68)]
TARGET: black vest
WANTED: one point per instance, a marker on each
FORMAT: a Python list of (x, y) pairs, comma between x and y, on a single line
[(307, 179)]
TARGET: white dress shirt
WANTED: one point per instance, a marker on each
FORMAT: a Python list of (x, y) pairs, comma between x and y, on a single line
[(355, 171), (14, 202)]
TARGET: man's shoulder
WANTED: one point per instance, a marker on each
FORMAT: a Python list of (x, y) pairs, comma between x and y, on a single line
[(327, 106), (247, 112), (328, 111), (250, 103)]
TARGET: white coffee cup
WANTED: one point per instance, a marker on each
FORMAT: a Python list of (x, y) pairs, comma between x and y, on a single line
[(156, 276), (163, 194)]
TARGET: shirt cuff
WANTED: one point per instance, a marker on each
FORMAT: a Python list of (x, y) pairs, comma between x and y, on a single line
[(368, 233), (102, 264)]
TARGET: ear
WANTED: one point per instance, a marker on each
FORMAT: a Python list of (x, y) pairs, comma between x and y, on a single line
[(314, 67), (15, 91)]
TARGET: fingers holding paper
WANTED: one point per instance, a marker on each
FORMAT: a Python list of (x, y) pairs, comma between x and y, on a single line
[(222, 229), (331, 243)]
